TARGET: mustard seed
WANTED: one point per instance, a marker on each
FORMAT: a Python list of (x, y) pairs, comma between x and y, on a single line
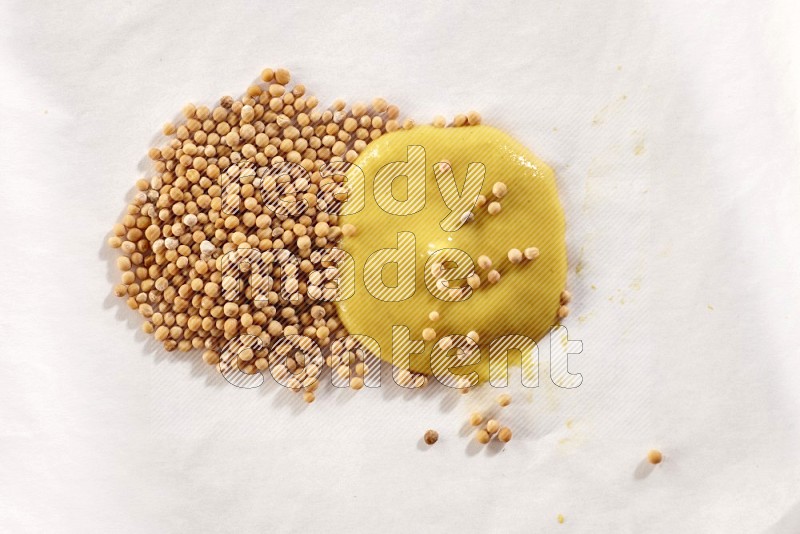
[(357, 383), (428, 334), (349, 230), (499, 189), (504, 434), (474, 281), (531, 253), (304, 242), (483, 437), (654, 456), (492, 426), (380, 105), (515, 255), (282, 76), (359, 109), (504, 400), (210, 357), (475, 419), (431, 437)]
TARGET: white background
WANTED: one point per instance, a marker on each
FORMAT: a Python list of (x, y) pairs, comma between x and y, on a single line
[(673, 128)]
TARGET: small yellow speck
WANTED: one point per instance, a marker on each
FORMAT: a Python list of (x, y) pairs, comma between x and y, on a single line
[(560, 518), (710, 307)]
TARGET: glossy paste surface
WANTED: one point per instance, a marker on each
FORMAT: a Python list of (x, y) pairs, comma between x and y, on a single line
[(525, 300)]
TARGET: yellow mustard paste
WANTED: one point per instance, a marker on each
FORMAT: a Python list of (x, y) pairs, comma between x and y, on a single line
[(524, 301)]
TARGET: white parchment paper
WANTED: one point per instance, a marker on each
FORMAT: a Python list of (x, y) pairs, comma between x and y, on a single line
[(673, 129)]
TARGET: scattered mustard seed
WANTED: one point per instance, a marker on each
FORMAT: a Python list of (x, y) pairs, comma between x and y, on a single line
[(482, 436), (357, 383), (431, 437), (380, 104), (531, 253), (348, 230), (504, 400), (499, 189), (282, 76), (654, 457), (428, 334), (475, 419), (474, 281), (209, 356), (504, 434)]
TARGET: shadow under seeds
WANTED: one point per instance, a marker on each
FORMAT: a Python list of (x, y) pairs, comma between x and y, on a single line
[(643, 469)]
